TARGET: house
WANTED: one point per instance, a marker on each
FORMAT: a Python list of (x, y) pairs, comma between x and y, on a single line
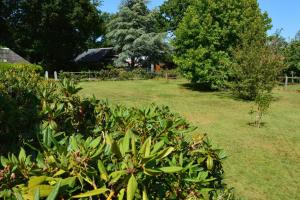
[(98, 57), (9, 56)]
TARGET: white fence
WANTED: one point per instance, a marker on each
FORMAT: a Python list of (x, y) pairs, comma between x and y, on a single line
[(290, 80)]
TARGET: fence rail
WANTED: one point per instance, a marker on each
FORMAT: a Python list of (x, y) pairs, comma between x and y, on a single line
[(139, 74), (286, 79)]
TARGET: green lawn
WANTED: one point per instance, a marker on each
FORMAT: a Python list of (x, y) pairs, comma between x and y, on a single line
[(262, 164)]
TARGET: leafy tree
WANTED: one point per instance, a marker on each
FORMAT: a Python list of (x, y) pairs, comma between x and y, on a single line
[(293, 56), (133, 35), (278, 42), (50, 32), (171, 13), (256, 70), (209, 32)]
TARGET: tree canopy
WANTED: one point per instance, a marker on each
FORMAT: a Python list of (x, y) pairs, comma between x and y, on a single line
[(255, 70), (134, 37), (171, 13), (210, 31), (50, 32), (293, 56)]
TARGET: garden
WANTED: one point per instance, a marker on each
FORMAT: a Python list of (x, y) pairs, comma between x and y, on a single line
[(65, 146), (192, 100), (261, 163)]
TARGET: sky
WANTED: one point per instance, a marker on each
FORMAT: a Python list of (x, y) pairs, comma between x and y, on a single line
[(285, 14)]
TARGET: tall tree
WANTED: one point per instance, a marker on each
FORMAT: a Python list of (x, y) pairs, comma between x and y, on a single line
[(50, 32), (132, 33), (210, 31)]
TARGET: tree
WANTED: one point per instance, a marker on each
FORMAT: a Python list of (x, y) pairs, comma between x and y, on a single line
[(50, 32), (133, 35), (256, 69), (208, 34), (293, 56), (278, 42), (171, 13)]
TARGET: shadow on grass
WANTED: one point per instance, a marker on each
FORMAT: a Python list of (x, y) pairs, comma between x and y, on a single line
[(196, 87), (224, 94), (254, 124), (229, 95)]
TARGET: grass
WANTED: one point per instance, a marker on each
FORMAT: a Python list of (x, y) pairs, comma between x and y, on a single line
[(262, 164)]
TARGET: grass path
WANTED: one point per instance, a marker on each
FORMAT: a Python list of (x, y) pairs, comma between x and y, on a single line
[(262, 164)]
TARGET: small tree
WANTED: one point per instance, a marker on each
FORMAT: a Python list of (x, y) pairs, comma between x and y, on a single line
[(262, 104), (255, 70), (133, 35)]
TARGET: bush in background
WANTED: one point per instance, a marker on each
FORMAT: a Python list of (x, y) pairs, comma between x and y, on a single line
[(109, 74), (5, 66)]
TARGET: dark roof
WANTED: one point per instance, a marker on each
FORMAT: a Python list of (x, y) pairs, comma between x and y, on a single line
[(7, 55), (95, 55)]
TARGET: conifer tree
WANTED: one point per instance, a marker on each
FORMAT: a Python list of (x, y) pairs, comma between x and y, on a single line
[(133, 35)]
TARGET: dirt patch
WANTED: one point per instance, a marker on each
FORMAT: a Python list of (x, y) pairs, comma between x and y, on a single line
[(199, 119)]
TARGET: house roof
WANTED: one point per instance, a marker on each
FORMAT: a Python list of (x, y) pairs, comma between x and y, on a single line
[(95, 55), (8, 55)]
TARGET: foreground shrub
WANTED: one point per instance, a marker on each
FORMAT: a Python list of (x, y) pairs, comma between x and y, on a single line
[(86, 148), (18, 106)]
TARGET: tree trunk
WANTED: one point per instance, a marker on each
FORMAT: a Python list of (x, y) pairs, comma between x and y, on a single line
[(132, 62)]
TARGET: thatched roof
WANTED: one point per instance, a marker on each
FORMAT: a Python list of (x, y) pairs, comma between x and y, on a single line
[(7, 55), (95, 55)]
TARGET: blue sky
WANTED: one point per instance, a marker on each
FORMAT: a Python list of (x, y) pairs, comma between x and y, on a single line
[(284, 13)]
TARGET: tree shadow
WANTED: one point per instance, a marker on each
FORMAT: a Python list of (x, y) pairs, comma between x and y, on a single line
[(254, 124), (230, 95), (196, 87), (223, 94)]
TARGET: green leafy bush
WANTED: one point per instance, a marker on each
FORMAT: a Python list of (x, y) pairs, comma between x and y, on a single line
[(88, 148), (6, 66), (109, 74), (18, 106)]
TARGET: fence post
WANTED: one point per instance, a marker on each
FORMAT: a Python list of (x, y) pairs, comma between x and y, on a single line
[(286, 81), (46, 75), (292, 76), (89, 75), (152, 68), (55, 76)]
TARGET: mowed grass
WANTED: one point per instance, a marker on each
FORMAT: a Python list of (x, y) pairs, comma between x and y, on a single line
[(262, 163)]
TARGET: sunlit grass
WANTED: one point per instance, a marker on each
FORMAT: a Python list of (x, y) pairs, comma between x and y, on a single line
[(262, 164)]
